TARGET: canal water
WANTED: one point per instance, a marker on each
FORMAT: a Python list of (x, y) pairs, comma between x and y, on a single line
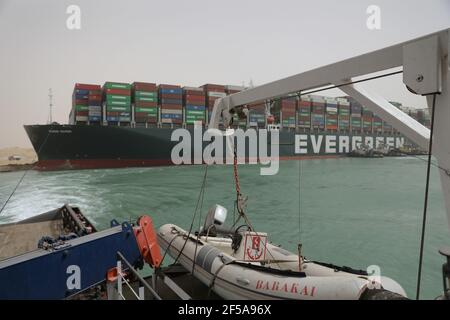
[(347, 211)]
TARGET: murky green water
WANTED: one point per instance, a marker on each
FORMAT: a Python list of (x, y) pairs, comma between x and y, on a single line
[(354, 212)]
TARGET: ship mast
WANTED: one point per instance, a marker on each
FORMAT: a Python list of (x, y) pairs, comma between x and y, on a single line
[(50, 105)]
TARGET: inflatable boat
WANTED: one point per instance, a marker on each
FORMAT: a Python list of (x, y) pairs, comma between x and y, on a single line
[(238, 263)]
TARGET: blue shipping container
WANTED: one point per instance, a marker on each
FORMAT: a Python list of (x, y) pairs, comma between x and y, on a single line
[(191, 107), (114, 119), (171, 91), (95, 118), (81, 91), (81, 96), (170, 116)]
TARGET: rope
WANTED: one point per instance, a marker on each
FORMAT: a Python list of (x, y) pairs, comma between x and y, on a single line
[(425, 205), (195, 213), (236, 177), (199, 221), (239, 195), (446, 171), (299, 94), (353, 82), (23, 176)]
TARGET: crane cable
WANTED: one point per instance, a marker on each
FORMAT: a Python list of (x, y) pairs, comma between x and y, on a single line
[(425, 205), (199, 199), (239, 199)]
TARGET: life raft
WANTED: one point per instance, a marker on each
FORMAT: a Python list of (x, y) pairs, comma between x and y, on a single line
[(248, 267)]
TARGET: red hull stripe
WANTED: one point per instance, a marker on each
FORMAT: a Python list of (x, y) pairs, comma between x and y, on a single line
[(76, 164)]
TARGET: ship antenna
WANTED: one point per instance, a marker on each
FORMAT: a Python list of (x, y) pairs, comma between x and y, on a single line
[(50, 105)]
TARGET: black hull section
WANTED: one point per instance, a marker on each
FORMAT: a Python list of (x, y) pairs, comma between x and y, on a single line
[(77, 147)]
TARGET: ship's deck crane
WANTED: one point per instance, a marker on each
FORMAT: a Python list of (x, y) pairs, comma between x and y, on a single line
[(426, 66)]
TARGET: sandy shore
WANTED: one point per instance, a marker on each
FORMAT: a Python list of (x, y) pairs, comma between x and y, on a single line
[(27, 155)]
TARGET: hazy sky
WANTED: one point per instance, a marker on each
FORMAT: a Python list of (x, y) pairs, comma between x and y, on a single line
[(188, 43)]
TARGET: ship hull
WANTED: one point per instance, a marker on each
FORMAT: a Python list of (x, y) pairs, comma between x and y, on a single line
[(65, 147)]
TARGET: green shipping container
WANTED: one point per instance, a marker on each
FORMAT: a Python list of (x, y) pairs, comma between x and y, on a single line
[(146, 94), (145, 99), (118, 103), (81, 108), (115, 97), (331, 121), (117, 108), (195, 112), (148, 110), (114, 85), (198, 117)]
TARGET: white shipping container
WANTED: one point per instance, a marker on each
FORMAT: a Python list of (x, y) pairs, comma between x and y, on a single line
[(193, 89), (166, 120), (332, 109), (343, 101), (231, 87), (170, 111), (216, 94), (81, 118)]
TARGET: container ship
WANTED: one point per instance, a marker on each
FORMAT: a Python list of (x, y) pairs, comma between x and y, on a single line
[(131, 125)]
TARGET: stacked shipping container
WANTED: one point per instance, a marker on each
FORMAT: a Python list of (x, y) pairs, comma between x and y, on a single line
[(355, 114), (424, 118), (171, 103), (331, 114), (288, 107), (308, 112), (387, 128), (237, 122), (304, 113), (145, 102), (194, 105), (377, 124), (213, 92), (367, 117), (343, 114), (257, 115), (95, 105), (117, 102), (86, 103), (317, 112)]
